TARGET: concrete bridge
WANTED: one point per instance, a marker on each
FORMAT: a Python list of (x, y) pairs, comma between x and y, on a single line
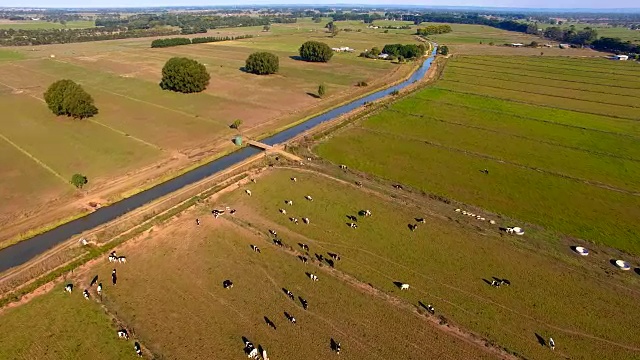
[(275, 148)]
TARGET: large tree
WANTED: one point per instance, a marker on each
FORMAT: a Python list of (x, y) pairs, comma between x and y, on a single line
[(184, 75), (262, 63), (65, 97), (315, 51)]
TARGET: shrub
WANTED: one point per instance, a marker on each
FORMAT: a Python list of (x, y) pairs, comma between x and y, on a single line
[(315, 51), (236, 124), (362, 83), (79, 180), (409, 51), (262, 63), (443, 50), (322, 90), (65, 97), (184, 75)]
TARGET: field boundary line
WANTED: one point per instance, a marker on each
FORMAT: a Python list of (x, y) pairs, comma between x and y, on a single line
[(429, 117), (463, 73), (556, 72), (35, 159), (530, 103), (540, 93), (482, 68), (503, 161), (542, 65), (530, 118)]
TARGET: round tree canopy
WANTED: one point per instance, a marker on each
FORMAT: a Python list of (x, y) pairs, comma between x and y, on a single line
[(184, 75), (262, 63), (315, 51)]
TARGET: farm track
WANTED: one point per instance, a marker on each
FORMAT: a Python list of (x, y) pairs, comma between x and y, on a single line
[(532, 103), (549, 86), (588, 151), (530, 118), (530, 74), (493, 86), (498, 160)]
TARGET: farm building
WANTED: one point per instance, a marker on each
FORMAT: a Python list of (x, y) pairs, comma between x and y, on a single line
[(517, 45), (620, 57), (343, 49), (564, 46)]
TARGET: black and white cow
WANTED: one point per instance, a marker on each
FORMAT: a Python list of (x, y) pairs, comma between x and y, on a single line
[(305, 303), (138, 349), (227, 284), (290, 317), (273, 232), (114, 277), (68, 288), (122, 259), (85, 293), (100, 289), (123, 334), (255, 248)]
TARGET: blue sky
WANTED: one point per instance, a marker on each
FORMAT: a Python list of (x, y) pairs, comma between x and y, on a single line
[(498, 3)]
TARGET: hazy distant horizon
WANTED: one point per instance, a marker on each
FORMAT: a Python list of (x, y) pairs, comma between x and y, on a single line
[(521, 4)]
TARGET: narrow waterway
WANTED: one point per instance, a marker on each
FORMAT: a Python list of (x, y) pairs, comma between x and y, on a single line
[(26, 250)]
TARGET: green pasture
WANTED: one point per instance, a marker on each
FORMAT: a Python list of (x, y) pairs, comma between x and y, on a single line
[(474, 34), (58, 326), (36, 25), (445, 262), (604, 30), (195, 317), (8, 55), (577, 158)]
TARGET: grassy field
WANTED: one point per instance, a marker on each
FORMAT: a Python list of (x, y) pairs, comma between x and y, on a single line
[(61, 326), (552, 293), (603, 30), (561, 153), (140, 127), (34, 25)]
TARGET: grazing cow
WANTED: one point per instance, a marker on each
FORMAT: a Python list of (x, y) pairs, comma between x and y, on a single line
[(353, 225), (485, 171), (492, 222), (343, 167), (312, 277), (85, 293), (233, 211), (430, 309), (398, 187), (319, 257), (505, 282), (335, 346), (123, 334), (250, 350), (283, 211), (303, 259), (114, 277), (404, 287), (113, 258), (365, 213), (288, 202), (352, 217), (255, 248), (305, 304), (227, 284), (277, 242), (122, 259), (495, 283), (334, 256), (264, 355), (136, 346), (421, 220), (413, 227), (289, 294), (458, 210), (308, 198), (273, 232), (552, 344), (93, 281), (358, 183), (305, 220), (294, 220), (253, 181), (294, 179), (100, 289), (330, 262), (198, 222), (248, 192), (68, 288), (304, 246), (290, 317)]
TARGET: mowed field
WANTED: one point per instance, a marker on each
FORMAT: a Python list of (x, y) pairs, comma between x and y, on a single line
[(559, 137), (34, 25), (140, 127)]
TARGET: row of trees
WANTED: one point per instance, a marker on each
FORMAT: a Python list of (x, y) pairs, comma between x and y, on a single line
[(161, 43), (407, 51), (581, 37), (23, 37), (433, 30), (616, 45)]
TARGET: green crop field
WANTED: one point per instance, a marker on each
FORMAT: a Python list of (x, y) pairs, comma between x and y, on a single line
[(61, 326), (34, 25), (141, 128), (561, 153)]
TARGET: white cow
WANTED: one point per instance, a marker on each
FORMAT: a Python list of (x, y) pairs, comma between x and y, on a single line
[(248, 192), (305, 220), (404, 287), (122, 259), (68, 288), (283, 211), (308, 197)]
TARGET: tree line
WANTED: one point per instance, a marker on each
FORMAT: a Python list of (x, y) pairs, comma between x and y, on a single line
[(161, 43), (433, 30), (569, 35), (23, 37)]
